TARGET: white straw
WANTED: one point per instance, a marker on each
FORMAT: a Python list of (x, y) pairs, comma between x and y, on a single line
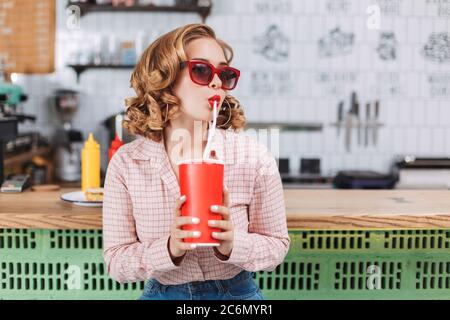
[(211, 132)]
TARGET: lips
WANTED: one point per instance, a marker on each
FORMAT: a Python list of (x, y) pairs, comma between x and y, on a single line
[(213, 99)]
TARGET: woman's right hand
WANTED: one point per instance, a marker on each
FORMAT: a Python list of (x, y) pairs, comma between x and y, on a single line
[(177, 247)]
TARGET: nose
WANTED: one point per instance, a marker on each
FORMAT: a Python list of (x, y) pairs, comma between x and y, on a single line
[(215, 83)]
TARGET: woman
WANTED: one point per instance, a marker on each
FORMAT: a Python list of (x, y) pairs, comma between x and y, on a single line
[(143, 237)]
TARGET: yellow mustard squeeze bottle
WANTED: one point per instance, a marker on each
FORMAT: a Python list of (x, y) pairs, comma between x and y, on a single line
[(90, 164)]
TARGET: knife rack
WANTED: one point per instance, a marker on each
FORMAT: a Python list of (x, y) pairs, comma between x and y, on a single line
[(364, 126)]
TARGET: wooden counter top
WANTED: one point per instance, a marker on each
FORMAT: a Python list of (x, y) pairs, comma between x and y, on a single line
[(45, 210), (306, 209), (368, 209)]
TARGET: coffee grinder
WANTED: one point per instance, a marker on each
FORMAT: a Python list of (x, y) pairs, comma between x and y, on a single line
[(68, 141)]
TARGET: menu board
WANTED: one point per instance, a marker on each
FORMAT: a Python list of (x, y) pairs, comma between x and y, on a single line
[(27, 36)]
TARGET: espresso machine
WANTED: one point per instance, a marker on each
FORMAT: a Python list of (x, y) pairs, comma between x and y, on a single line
[(11, 96), (68, 141), (8, 131)]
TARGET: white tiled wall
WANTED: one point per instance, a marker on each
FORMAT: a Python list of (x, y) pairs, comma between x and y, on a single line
[(415, 121)]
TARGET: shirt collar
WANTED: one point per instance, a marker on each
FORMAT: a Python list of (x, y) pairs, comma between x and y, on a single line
[(148, 149)]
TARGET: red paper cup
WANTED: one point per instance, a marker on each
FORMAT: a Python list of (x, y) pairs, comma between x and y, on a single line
[(201, 181)]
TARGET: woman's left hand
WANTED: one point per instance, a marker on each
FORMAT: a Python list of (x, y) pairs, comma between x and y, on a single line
[(226, 237)]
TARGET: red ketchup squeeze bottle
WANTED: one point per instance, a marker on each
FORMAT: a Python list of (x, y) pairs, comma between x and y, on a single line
[(115, 145)]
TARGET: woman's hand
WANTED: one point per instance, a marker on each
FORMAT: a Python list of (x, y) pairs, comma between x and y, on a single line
[(177, 247), (227, 236)]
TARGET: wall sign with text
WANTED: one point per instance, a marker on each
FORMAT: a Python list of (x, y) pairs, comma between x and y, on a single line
[(27, 35)]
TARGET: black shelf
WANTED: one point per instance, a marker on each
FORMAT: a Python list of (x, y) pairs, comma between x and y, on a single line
[(87, 8), (80, 68), (286, 126), (305, 178)]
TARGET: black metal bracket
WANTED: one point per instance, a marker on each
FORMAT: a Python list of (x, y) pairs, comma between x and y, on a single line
[(80, 68)]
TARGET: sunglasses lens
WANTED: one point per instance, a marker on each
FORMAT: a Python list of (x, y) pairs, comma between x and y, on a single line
[(229, 78), (201, 73)]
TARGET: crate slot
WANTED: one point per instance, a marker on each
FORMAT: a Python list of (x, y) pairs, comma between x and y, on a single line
[(433, 275), (348, 274), (17, 239)]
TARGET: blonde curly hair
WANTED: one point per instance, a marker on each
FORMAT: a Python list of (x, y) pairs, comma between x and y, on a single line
[(153, 79)]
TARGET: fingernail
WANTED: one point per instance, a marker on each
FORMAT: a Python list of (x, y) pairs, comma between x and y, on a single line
[(214, 234), (197, 234), (193, 246), (195, 220), (182, 198), (214, 208), (226, 188), (212, 222)]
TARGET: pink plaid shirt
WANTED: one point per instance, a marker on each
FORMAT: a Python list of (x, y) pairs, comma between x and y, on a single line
[(141, 189)]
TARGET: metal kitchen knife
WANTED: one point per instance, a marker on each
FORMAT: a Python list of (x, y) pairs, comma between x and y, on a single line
[(348, 130), (340, 117), (367, 124), (375, 122), (358, 124), (349, 122)]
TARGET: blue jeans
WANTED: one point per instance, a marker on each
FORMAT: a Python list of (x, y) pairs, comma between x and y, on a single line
[(241, 287)]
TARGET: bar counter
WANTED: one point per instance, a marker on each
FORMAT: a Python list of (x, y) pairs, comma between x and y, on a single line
[(341, 240), (305, 209)]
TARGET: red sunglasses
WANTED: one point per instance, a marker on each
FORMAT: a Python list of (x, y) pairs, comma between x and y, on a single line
[(202, 73)]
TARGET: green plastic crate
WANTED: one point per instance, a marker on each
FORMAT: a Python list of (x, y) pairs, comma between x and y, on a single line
[(413, 264), (39, 264)]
